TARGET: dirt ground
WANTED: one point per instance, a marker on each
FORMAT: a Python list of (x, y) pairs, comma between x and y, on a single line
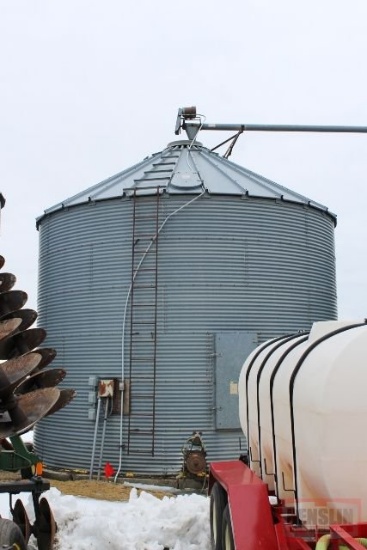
[(102, 490)]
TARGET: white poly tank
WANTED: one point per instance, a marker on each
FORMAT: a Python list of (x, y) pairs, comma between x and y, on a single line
[(303, 407)]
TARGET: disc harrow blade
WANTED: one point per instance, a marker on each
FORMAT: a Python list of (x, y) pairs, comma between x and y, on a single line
[(43, 379), (28, 390), (8, 328), (22, 342), (66, 395), (7, 281), (28, 317), (20, 517), (25, 410), (12, 372), (47, 355), (45, 526), (12, 301)]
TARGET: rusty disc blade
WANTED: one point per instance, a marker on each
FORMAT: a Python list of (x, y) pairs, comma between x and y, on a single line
[(20, 517), (47, 355), (28, 317), (12, 301), (13, 371), (43, 379), (66, 395), (9, 327), (22, 342), (45, 526), (27, 410), (7, 281)]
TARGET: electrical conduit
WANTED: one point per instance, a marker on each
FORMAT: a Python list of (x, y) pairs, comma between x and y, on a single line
[(124, 322)]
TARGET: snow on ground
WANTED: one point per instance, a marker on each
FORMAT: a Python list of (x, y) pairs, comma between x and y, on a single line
[(143, 523)]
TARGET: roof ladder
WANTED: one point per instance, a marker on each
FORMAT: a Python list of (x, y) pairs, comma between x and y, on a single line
[(143, 324)]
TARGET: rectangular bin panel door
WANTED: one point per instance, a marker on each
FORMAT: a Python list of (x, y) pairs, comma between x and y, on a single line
[(231, 351)]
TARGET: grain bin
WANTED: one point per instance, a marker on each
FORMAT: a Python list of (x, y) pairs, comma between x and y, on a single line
[(160, 280)]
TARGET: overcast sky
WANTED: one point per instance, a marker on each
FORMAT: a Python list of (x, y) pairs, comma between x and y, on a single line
[(89, 88)]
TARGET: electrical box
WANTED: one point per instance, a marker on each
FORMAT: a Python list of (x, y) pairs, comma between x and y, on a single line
[(92, 414), (106, 388), (93, 381), (92, 397)]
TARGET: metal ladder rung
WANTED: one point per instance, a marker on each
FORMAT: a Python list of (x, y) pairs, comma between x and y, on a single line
[(136, 190), (140, 338), (145, 217), (136, 266), (138, 258), (158, 178), (157, 171), (145, 237), (140, 252), (137, 431), (144, 269), (141, 341), (141, 451), (144, 305), (142, 377)]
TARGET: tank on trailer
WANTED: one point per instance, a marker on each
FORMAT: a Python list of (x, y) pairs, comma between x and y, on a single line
[(303, 410)]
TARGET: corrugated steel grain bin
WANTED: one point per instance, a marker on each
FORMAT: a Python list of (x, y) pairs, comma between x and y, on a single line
[(166, 276)]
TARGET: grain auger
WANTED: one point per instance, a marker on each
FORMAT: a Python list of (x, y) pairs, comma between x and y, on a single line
[(28, 393)]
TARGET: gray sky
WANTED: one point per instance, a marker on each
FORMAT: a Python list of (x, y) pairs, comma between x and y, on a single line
[(88, 88)]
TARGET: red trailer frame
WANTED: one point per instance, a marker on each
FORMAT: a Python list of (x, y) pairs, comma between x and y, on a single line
[(256, 524)]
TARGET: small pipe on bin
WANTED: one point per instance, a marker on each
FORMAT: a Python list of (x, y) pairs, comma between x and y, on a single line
[(95, 439), (103, 436)]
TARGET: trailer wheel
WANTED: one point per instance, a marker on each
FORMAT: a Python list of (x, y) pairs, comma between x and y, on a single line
[(11, 536), (227, 532), (218, 502)]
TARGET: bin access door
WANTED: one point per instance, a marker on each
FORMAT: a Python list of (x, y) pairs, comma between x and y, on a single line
[(231, 350)]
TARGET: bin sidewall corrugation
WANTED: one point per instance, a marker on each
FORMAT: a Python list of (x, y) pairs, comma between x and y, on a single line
[(224, 263)]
